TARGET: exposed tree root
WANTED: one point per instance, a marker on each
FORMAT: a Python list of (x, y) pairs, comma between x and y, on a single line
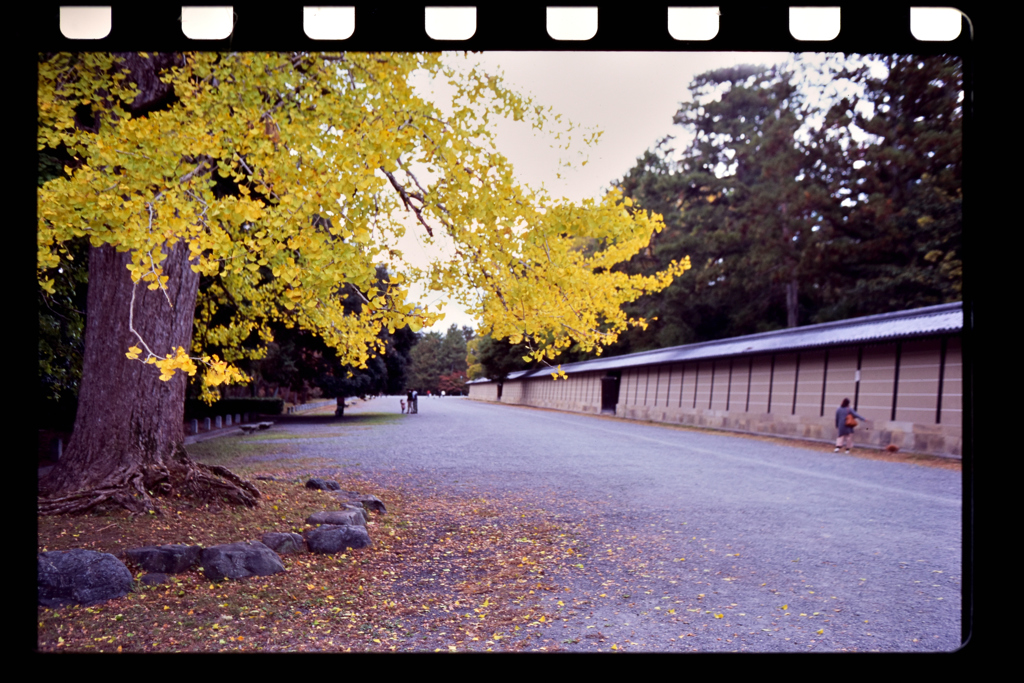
[(135, 489)]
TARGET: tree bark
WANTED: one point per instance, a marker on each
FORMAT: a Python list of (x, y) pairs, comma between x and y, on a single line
[(791, 303), (128, 439)]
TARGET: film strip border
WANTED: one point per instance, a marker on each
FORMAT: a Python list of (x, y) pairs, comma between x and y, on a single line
[(891, 27)]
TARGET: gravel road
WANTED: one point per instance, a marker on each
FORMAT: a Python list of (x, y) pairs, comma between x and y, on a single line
[(695, 540)]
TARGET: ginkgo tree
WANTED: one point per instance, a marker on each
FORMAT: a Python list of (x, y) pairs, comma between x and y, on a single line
[(225, 192)]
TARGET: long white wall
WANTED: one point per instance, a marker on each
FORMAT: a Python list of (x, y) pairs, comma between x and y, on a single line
[(910, 391)]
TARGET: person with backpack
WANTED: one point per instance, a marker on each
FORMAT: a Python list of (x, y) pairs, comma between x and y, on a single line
[(846, 420)]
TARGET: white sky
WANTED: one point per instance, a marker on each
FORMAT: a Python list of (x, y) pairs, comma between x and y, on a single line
[(632, 97)]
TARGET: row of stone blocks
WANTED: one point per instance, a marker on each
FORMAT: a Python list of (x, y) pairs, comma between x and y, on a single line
[(87, 577), (217, 422)]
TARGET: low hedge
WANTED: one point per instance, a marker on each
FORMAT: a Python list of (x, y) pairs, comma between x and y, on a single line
[(197, 410)]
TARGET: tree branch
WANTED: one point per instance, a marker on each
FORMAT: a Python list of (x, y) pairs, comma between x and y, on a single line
[(407, 200)]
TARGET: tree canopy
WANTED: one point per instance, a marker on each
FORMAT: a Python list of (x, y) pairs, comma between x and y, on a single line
[(797, 209), (61, 329), (301, 362), (897, 238), (438, 362), (226, 195), (287, 175), (494, 359)]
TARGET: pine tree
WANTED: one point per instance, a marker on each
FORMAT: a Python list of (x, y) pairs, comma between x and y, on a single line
[(898, 241), (797, 212), (737, 202)]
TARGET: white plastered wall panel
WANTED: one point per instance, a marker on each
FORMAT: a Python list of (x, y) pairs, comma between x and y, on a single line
[(702, 386), (918, 389), (782, 384), (841, 378), (624, 394), (952, 385), (661, 380), (877, 375), (741, 374), (643, 377), (719, 384), (671, 383), (812, 372), (633, 391), (760, 380), (676, 398)]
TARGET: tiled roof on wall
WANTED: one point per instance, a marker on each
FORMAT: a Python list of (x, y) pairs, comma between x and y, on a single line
[(918, 322)]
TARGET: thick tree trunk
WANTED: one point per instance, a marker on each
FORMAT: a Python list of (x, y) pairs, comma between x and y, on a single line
[(791, 303), (128, 440)]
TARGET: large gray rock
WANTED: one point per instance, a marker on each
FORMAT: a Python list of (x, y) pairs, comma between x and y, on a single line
[(165, 559), (239, 560), (329, 539), (366, 500), (322, 484), (337, 517), (154, 579), (358, 508), (284, 543), (81, 577)]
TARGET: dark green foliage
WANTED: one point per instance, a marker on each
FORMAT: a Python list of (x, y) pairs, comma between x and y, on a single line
[(790, 214), (398, 361), (898, 241), (438, 363), (61, 326), (301, 362), (495, 359)]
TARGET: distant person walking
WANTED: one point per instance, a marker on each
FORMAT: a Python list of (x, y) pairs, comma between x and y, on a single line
[(415, 402), (403, 406), (846, 420)]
